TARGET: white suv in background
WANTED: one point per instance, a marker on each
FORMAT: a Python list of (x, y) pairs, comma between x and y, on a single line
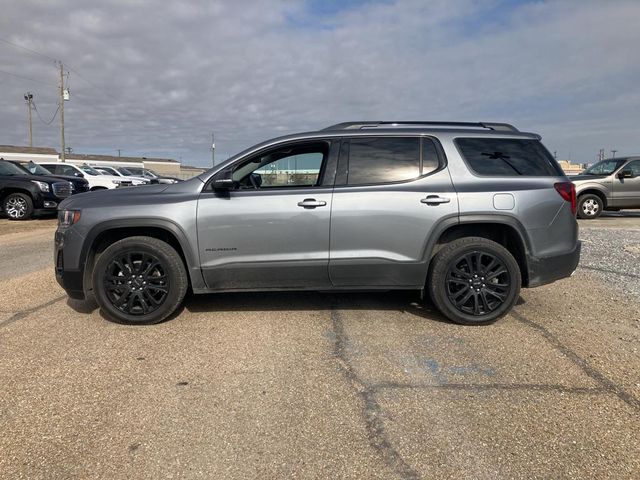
[(96, 180), (104, 170)]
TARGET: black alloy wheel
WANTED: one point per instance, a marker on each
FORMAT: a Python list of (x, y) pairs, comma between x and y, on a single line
[(474, 281), (477, 283), (136, 283), (139, 280)]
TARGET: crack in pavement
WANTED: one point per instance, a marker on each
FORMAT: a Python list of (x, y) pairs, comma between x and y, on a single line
[(609, 385), (475, 387), (607, 270), (25, 313), (373, 412), (375, 426)]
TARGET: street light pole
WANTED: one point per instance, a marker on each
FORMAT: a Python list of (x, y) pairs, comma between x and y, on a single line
[(29, 98), (61, 104), (213, 150)]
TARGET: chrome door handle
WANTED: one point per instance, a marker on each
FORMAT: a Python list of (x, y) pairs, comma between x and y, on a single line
[(435, 200), (311, 203)]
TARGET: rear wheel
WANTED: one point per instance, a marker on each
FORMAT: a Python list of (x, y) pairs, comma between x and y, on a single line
[(18, 206), (589, 206), (139, 280), (474, 281)]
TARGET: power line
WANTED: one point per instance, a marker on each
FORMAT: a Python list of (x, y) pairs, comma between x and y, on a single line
[(66, 65), (92, 84), (27, 78), (27, 49), (52, 118)]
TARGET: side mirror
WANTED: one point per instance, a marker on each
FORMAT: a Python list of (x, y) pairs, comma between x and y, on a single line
[(78, 174), (625, 174), (223, 180)]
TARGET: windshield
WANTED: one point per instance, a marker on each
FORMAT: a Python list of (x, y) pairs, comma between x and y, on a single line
[(7, 168), (150, 173), (35, 169), (89, 170), (605, 167), (108, 170), (124, 171)]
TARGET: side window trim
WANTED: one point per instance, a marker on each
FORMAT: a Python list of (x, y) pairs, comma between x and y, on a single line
[(323, 167), (634, 165), (342, 174)]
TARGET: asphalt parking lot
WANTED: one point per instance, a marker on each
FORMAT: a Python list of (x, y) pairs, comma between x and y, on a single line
[(311, 385)]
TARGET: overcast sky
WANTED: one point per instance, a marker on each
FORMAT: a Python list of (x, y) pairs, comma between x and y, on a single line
[(155, 78)]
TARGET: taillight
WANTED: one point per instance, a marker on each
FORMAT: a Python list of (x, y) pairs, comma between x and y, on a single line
[(567, 190)]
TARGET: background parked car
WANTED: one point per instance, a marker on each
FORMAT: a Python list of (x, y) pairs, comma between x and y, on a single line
[(612, 184), (113, 171), (96, 180), (23, 195), (151, 175), (78, 184)]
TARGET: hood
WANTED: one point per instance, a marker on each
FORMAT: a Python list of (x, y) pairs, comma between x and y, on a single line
[(38, 178), (124, 195), (582, 178), (107, 177), (66, 178)]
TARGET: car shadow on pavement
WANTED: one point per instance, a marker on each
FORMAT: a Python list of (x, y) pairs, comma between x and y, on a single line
[(623, 214), (397, 301)]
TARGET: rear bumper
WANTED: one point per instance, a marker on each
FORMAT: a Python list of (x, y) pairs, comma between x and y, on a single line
[(544, 270)]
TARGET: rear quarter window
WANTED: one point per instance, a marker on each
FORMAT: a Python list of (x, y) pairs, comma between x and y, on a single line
[(508, 157)]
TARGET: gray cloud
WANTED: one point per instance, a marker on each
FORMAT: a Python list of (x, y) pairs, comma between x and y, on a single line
[(155, 78)]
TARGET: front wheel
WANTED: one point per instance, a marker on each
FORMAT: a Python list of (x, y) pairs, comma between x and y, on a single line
[(589, 206), (139, 280), (18, 206), (474, 281)]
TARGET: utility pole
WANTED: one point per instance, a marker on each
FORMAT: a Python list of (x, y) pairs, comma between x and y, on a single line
[(613, 153), (69, 150), (213, 150), (119, 150), (29, 98), (61, 105)]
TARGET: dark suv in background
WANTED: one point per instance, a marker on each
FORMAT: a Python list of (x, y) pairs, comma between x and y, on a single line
[(468, 212), (23, 195), (78, 185)]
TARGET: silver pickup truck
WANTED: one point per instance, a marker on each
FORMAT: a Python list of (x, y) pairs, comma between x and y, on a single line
[(612, 184)]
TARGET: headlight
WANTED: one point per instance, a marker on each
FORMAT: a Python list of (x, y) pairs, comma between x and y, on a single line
[(73, 187), (117, 182), (44, 186), (67, 218)]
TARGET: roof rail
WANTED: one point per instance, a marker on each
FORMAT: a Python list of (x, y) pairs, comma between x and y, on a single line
[(379, 124)]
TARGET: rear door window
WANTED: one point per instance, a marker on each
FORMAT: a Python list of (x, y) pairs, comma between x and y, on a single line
[(508, 157), (383, 160)]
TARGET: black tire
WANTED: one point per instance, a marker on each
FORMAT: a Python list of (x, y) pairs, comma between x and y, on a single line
[(17, 206), (590, 206), (453, 279), (136, 272)]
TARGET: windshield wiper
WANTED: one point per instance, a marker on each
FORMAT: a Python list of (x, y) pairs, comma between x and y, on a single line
[(504, 158)]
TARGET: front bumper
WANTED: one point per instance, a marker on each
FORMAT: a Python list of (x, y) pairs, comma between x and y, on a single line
[(72, 280), (544, 270)]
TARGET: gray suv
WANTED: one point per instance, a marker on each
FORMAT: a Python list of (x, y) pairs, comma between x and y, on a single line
[(468, 212), (611, 184)]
